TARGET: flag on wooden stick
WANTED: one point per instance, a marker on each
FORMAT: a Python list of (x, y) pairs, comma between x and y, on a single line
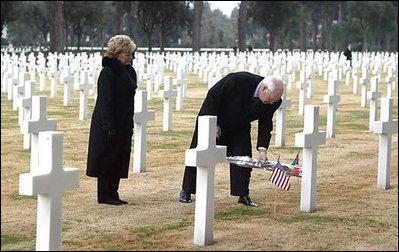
[(280, 177)]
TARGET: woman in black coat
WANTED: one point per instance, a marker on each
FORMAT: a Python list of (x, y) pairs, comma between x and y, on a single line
[(112, 125), (237, 100)]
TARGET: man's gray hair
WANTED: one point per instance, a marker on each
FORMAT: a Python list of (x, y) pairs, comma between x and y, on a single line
[(273, 83)]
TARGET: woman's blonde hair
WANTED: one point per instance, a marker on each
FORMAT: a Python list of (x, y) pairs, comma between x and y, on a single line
[(120, 44)]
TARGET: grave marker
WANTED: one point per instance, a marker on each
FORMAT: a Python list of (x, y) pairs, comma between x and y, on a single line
[(204, 157), (386, 126), (280, 120), (49, 181), (84, 89), (141, 117), (373, 95), (168, 93), (309, 140), (36, 124), (332, 100)]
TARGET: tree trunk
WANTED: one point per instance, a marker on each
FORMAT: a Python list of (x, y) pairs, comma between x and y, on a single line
[(242, 22), (314, 36), (57, 38), (132, 19), (161, 36), (387, 42), (272, 41), (364, 43), (117, 17), (149, 37), (302, 32), (197, 25)]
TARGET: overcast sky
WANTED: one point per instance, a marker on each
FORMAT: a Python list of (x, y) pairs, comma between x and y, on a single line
[(225, 6)]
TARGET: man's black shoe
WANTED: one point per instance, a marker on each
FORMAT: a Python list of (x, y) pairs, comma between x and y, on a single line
[(185, 197), (110, 201), (122, 201), (246, 200)]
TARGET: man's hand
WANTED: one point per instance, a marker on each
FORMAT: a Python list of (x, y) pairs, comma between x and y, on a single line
[(218, 132), (262, 153)]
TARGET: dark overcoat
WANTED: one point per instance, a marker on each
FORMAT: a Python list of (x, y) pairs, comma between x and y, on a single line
[(348, 54), (232, 100), (114, 110)]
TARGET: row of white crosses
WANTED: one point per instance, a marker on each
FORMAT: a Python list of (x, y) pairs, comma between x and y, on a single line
[(47, 178), (309, 140), (309, 204), (16, 76), (207, 154)]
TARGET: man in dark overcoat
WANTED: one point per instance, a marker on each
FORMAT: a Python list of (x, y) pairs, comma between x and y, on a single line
[(237, 100), (348, 54)]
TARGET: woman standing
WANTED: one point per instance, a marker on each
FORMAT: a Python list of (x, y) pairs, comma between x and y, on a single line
[(112, 125)]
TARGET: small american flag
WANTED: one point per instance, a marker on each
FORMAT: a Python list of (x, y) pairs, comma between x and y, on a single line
[(280, 177), (296, 160)]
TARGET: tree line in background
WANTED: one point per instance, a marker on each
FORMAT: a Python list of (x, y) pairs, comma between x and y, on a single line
[(59, 26)]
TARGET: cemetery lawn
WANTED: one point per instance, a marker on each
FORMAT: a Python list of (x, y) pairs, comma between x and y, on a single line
[(351, 212)]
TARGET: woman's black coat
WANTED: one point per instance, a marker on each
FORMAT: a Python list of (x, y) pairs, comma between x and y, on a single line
[(113, 111)]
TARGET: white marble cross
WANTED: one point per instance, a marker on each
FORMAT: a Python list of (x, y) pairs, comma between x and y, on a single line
[(280, 120), (36, 124), (309, 140), (355, 79), (332, 100), (20, 96), (168, 93), (42, 76), (150, 81), (386, 126), (7, 75), (26, 104), (10, 88), (84, 89), (141, 117), (309, 80), (179, 97), (67, 79), (54, 76), (390, 79), (347, 77), (49, 182), (204, 157), (182, 79), (302, 85), (373, 95), (363, 98), (390, 85), (17, 89)]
